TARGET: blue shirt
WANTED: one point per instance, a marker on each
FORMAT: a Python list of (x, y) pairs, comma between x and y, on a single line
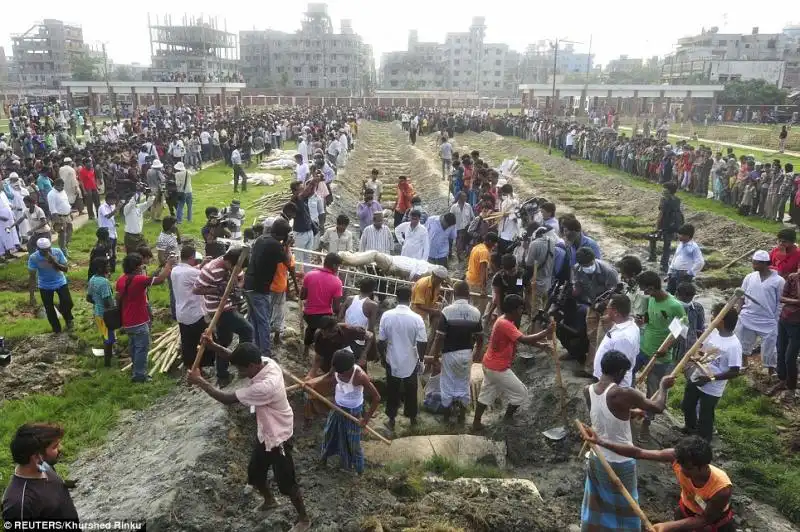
[(585, 242), (43, 182), (439, 238), (48, 277), (100, 290)]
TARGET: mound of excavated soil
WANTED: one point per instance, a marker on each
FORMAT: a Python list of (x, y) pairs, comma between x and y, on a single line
[(40, 364)]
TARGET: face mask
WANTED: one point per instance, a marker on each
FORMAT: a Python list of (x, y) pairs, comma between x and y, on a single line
[(589, 269)]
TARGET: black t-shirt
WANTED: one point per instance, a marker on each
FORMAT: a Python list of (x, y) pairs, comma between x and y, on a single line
[(265, 256), (302, 221), (38, 499), (508, 285)]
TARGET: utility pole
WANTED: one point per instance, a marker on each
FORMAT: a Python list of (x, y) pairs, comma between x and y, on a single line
[(555, 69), (107, 80), (584, 103)]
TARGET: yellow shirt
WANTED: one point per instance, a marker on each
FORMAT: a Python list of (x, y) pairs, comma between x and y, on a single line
[(423, 293), (478, 256)]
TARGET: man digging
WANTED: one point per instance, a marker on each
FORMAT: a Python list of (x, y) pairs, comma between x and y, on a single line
[(275, 420)]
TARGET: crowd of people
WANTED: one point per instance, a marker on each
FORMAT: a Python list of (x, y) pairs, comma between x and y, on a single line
[(520, 260)]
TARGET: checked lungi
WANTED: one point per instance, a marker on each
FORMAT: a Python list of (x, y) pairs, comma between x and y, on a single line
[(604, 508), (455, 377), (343, 437)]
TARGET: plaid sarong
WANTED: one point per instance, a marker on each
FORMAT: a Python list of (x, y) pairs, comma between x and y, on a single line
[(343, 437), (604, 508)]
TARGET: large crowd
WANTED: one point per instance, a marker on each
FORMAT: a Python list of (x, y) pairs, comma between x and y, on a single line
[(520, 258)]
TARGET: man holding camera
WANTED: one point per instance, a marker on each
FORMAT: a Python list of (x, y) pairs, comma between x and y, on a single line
[(133, 211), (594, 281)]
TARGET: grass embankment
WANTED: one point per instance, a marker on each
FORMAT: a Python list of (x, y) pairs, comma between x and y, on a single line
[(90, 405), (689, 200)]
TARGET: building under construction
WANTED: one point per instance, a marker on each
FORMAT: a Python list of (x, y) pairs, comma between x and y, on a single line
[(196, 49), (44, 53)]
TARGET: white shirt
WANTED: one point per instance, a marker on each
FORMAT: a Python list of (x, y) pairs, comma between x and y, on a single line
[(236, 157), (302, 171), (103, 221), (188, 306), (729, 356), (333, 147), (205, 137), (464, 215), (337, 242), (688, 257), (570, 138), (134, 214), (402, 329), (177, 148), (183, 180), (302, 149), (343, 142), (768, 293), (623, 337), (71, 187), (376, 239), (414, 241), (315, 207), (58, 203), (508, 225)]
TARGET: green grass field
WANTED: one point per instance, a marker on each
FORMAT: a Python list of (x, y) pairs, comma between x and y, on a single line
[(89, 406)]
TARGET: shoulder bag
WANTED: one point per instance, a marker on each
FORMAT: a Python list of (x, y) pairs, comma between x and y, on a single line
[(112, 317)]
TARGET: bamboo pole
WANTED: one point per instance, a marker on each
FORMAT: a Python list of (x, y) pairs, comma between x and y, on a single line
[(615, 479), (737, 259), (713, 325), (532, 303), (211, 326), (559, 381), (332, 406), (665, 345)]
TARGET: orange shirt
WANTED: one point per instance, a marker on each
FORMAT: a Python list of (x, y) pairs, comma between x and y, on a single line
[(502, 342), (280, 281), (477, 256), (404, 195), (696, 498), (424, 294)]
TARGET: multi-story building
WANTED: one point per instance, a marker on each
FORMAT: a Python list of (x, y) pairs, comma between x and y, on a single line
[(722, 57), (314, 59), (536, 64), (44, 53), (194, 50), (624, 64), (463, 63)]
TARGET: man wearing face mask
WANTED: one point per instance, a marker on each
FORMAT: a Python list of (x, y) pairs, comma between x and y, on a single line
[(35, 492), (591, 278)]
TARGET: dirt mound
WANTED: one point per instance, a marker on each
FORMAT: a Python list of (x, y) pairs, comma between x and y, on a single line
[(40, 364)]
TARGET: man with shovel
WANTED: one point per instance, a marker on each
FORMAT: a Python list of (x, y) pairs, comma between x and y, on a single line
[(611, 406), (266, 393)]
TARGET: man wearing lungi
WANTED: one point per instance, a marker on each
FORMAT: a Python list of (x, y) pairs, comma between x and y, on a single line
[(459, 340), (604, 508), (705, 502), (342, 435)]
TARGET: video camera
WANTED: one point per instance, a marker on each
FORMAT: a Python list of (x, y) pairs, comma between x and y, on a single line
[(601, 302)]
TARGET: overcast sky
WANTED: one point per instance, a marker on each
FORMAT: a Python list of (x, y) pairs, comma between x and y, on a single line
[(617, 27)]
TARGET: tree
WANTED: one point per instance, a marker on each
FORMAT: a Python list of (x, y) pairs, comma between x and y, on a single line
[(752, 92), (85, 68), (284, 79), (122, 73)]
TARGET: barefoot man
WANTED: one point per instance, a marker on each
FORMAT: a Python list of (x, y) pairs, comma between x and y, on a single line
[(266, 393)]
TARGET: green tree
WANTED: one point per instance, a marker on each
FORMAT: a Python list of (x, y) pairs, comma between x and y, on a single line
[(85, 68), (284, 79), (122, 73), (752, 92)]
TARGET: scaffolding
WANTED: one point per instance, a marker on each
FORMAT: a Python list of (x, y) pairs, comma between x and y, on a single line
[(197, 48)]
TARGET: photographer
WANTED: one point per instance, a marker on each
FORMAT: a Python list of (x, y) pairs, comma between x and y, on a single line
[(593, 281), (155, 179)]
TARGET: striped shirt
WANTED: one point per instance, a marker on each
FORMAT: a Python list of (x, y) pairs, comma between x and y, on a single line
[(376, 239), (214, 274), (168, 243)]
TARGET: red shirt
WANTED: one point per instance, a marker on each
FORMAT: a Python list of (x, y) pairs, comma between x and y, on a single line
[(86, 177), (784, 263), (322, 287), (502, 342), (134, 300), (790, 313)]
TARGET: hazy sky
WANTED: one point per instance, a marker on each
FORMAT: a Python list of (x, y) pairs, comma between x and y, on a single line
[(617, 27)]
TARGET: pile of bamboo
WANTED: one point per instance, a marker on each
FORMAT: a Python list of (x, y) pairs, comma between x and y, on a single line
[(272, 203), (164, 352)]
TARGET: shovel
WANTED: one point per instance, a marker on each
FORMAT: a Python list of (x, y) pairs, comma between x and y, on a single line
[(558, 433)]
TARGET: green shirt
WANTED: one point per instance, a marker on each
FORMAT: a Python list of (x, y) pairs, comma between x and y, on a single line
[(659, 316)]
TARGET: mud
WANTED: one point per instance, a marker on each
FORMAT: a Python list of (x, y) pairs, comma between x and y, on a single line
[(41, 364), (181, 464)]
